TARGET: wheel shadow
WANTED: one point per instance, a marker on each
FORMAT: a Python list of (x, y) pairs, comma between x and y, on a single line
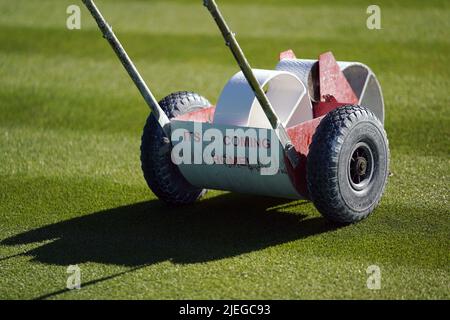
[(150, 232)]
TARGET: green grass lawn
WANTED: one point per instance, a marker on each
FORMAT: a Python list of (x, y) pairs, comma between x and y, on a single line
[(72, 191)]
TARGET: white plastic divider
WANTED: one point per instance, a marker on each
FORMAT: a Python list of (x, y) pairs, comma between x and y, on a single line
[(360, 77), (238, 105)]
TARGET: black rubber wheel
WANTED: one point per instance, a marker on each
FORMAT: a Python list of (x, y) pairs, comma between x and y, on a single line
[(348, 164), (162, 176)]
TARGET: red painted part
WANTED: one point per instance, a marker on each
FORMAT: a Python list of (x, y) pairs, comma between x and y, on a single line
[(301, 137), (322, 108), (333, 83), (289, 54), (205, 115)]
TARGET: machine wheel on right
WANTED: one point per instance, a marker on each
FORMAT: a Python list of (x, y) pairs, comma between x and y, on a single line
[(348, 164)]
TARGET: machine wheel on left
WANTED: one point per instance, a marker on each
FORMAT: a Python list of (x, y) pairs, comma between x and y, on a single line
[(162, 176)]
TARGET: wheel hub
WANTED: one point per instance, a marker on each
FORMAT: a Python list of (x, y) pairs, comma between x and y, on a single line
[(360, 168)]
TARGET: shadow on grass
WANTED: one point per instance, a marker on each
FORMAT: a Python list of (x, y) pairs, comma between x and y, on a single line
[(142, 234), (150, 232)]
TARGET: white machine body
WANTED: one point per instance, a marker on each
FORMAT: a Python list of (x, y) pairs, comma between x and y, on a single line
[(292, 92)]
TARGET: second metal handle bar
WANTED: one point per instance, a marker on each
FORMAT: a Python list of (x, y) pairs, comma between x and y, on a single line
[(238, 54)]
